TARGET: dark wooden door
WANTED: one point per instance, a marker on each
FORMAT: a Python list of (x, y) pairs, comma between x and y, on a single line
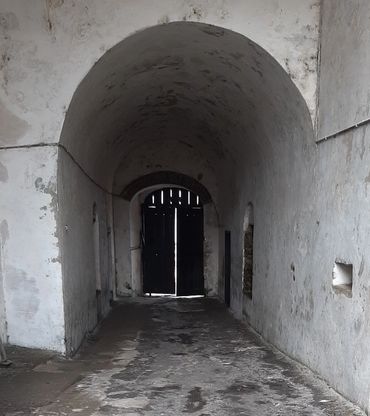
[(159, 249), (159, 211), (190, 279), (227, 274)]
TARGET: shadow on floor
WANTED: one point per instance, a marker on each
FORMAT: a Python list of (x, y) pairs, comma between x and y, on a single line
[(165, 356)]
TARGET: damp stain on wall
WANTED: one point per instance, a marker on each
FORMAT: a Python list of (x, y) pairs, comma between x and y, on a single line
[(13, 128), (26, 305)]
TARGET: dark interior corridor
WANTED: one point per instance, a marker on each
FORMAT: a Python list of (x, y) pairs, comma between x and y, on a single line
[(120, 298)]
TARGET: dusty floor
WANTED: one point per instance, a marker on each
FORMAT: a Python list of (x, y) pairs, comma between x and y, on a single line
[(166, 357)]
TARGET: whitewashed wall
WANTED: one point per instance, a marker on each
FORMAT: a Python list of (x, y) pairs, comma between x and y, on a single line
[(31, 265)]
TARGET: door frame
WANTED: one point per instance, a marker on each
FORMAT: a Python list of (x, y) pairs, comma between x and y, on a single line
[(128, 245)]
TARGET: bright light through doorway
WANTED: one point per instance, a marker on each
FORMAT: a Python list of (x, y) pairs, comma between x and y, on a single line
[(176, 251)]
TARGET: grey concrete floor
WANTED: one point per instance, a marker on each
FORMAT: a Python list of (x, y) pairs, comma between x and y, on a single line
[(167, 357)]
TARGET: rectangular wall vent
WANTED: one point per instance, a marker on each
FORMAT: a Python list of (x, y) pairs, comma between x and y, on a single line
[(342, 277)]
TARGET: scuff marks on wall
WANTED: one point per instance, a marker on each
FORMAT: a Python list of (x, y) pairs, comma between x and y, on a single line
[(4, 236), (26, 306), (81, 27), (3, 332), (303, 64), (200, 9), (8, 21), (361, 268), (194, 13), (3, 173), (4, 232), (50, 6), (12, 127)]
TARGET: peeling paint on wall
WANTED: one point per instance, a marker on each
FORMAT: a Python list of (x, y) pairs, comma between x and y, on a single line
[(49, 189), (4, 236), (32, 284)]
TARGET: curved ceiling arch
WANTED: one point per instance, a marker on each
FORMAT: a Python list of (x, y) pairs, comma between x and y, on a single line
[(185, 97)]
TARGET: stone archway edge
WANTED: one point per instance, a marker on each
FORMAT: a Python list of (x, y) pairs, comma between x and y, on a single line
[(167, 177)]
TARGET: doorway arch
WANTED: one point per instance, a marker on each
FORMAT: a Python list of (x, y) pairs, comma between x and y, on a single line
[(128, 234)]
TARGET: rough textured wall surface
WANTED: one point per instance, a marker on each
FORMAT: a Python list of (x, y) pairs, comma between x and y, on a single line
[(121, 210), (345, 58), (77, 196), (342, 220), (31, 268), (3, 323), (341, 202)]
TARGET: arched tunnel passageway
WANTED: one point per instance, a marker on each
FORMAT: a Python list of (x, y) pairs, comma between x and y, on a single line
[(200, 101), (260, 109)]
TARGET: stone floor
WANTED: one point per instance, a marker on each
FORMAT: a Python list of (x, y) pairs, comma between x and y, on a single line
[(167, 357)]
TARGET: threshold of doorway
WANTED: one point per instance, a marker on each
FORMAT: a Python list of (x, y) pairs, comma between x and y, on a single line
[(171, 295)]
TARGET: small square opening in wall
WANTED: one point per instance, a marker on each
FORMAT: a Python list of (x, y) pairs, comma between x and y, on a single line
[(342, 277)]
